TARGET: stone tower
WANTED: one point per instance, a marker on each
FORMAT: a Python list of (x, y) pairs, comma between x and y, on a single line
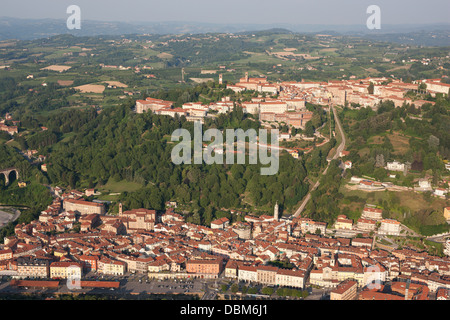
[(276, 212), (120, 209), (220, 78), (246, 77)]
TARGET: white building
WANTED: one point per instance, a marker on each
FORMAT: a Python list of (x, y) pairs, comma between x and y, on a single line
[(424, 185), (395, 166), (347, 164), (447, 247), (389, 227), (247, 273), (440, 192)]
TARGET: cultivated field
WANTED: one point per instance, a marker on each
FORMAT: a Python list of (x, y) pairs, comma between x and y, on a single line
[(57, 68), (117, 84), (91, 88)]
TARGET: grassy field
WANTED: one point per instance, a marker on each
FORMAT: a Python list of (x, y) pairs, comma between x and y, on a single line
[(402, 204), (119, 186), (399, 141)]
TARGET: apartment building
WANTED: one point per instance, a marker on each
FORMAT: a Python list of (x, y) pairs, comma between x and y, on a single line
[(266, 275), (112, 267), (65, 270), (247, 273), (346, 290), (290, 278), (372, 213), (389, 227), (205, 266), (32, 267), (6, 254), (311, 226), (366, 224), (90, 263)]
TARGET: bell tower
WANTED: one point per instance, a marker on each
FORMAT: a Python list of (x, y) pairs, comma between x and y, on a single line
[(276, 212)]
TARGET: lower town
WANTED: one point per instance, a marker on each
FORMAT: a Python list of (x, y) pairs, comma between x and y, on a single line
[(77, 247)]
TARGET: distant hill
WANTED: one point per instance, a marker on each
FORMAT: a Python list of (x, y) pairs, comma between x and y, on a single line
[(29, 29)]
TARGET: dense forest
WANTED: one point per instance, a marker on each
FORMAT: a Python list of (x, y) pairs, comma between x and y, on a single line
[(118, 144)]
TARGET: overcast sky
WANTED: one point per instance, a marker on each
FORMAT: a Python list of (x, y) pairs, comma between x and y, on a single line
[(342, 12)]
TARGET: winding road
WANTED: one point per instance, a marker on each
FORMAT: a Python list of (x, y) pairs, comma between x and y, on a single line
[(340, 148)]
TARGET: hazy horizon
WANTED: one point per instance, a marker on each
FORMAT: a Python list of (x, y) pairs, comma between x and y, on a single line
[(263, 12)]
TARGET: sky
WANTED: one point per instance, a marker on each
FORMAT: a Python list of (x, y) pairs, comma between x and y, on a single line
[(330, 12)]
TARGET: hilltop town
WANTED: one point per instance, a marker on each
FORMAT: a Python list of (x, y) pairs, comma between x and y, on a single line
[(92, 203)]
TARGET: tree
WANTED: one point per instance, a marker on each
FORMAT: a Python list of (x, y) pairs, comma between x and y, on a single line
[(267, 290), (370, 89), (422, 86), (224, 288), (309, 129)]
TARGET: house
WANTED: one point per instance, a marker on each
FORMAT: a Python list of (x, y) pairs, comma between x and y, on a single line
[(89, 192), (343, 223), (424, 184), (283, 136), (395, 166), (347, 164), (221, 223), (440, 192), (443, 294), (6, 254)]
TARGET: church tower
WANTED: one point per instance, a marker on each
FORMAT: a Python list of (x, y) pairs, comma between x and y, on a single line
[(246, 77), (276, 212), (120, 209), (220, 78)]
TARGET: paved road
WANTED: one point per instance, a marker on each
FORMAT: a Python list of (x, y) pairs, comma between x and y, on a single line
[(439, 238), (340, 148), (6, 217)]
